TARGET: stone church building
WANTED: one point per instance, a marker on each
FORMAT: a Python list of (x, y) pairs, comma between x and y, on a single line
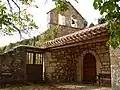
[(80, 54), (77, 55)]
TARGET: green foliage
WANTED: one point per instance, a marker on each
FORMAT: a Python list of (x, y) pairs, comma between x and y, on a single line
[(1, 49), (51, 34), (111, 10), (26, 1), (101, 20), (12, 45), (36, 41), (14, 17), (61, 5)]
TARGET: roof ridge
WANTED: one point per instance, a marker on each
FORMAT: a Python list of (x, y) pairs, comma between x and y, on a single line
[(83, 30), (91, 31)]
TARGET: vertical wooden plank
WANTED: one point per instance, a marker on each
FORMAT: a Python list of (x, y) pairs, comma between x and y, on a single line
[(34, 58), (27, 58), (42, 58), (39, 58), (31, 58), (43, 68)]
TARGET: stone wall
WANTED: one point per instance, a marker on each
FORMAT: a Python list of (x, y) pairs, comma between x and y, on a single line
[(115, 68), (53, 15), (65, 65), (65, 30), (70, 12), (12, 65)]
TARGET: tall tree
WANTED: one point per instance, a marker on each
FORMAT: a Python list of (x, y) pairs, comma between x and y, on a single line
[(110, 9), (14, 16), (20, 20)]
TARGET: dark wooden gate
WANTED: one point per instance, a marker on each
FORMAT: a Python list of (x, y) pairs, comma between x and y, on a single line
[(89, 68), (34, 66)]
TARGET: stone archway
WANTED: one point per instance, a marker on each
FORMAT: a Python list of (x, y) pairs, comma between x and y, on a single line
[(89, 68), (80, 63)]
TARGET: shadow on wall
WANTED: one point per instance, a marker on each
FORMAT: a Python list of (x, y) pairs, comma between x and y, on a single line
[(12, 66)]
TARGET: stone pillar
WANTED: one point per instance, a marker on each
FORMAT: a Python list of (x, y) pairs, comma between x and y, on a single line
[(20, 64), (115, 68), (48, 68)]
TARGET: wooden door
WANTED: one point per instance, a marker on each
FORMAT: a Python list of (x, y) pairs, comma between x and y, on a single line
[(34, 67), (34, 72), (89, 68)]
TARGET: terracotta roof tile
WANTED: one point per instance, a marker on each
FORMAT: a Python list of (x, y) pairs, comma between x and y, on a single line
[(78, 36)]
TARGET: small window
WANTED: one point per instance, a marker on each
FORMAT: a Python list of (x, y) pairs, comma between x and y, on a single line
[(61, 19), (73, 21)]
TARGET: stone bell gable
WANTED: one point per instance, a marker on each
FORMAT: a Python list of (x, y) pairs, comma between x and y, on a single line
[(68, 21)]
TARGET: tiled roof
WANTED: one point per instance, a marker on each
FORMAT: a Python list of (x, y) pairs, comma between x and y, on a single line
[(79, 36)]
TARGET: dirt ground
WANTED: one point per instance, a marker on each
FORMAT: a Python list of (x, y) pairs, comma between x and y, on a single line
[(53, 87)]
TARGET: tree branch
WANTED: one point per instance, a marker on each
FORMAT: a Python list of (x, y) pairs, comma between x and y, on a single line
[(19, 31), (17, 7), (10, 6)]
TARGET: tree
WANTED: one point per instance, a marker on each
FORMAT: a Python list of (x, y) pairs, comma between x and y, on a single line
[(20, 20), (15, 17), (50, 34), (110, 9), (61, 5), (101, 20), (91, 25)]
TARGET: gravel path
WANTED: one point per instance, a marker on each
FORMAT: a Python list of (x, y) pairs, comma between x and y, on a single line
[(55, 87)]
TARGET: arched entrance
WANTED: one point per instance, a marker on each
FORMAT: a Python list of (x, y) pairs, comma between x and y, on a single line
[(89, 68)]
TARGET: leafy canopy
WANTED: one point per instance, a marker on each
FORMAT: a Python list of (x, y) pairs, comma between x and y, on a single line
[(14, 16), (111, 11)]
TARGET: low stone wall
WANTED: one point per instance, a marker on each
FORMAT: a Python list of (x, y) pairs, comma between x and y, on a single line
[(12, 65), (65, 65), (115, 68)]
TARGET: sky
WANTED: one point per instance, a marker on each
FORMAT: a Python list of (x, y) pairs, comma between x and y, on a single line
[(85, 8)]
